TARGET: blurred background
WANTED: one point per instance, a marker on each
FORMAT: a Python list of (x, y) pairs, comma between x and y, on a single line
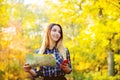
[(91, 33)]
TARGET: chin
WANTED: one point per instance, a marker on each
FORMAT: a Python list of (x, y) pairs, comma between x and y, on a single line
[(55, 40)]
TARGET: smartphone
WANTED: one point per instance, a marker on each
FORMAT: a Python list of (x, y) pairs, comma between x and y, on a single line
[(65, 61)]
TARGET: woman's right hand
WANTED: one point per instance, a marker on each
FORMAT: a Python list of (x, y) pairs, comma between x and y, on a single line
[(27, 67)]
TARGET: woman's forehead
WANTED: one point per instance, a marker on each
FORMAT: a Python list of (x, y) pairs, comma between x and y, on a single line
[(56, 27)]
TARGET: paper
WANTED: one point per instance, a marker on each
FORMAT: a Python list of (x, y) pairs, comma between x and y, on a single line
[(40, 60)]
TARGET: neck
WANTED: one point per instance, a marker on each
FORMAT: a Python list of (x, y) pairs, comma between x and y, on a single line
[(52, 45)]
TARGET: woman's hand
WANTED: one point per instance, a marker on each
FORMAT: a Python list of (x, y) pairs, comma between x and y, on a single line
[(27, 67), (64, 66)]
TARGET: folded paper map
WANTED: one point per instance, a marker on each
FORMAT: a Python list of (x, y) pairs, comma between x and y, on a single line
[(40, 60)]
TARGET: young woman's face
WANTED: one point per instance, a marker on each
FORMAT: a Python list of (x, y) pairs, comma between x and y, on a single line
[(55, 33)]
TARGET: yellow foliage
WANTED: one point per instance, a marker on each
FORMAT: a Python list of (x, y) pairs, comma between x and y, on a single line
[(89, 26), (82, 66)]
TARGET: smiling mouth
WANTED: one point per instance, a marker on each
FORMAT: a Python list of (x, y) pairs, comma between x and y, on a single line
[(56, 36)]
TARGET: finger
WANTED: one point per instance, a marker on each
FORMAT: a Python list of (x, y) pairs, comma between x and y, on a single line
[(65, 64), (26, 68), (62, 66), (26, 64)]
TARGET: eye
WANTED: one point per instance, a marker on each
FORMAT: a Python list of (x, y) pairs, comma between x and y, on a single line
[(59, 31), (54, 30)]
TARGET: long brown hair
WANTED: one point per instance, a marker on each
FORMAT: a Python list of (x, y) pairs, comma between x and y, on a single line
[(59, 44)]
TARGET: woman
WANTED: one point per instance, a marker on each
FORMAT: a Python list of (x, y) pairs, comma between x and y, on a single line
[(52, 44)]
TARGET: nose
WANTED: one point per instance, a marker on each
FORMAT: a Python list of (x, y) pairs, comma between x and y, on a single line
[(57, 33)]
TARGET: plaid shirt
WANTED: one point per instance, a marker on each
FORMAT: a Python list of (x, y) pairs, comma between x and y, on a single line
[(54, 71)]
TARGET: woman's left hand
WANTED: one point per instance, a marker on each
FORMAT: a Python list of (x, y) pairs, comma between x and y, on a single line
[(65, 67)]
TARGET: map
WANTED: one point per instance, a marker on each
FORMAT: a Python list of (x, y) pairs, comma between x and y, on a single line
[(35, 60)]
